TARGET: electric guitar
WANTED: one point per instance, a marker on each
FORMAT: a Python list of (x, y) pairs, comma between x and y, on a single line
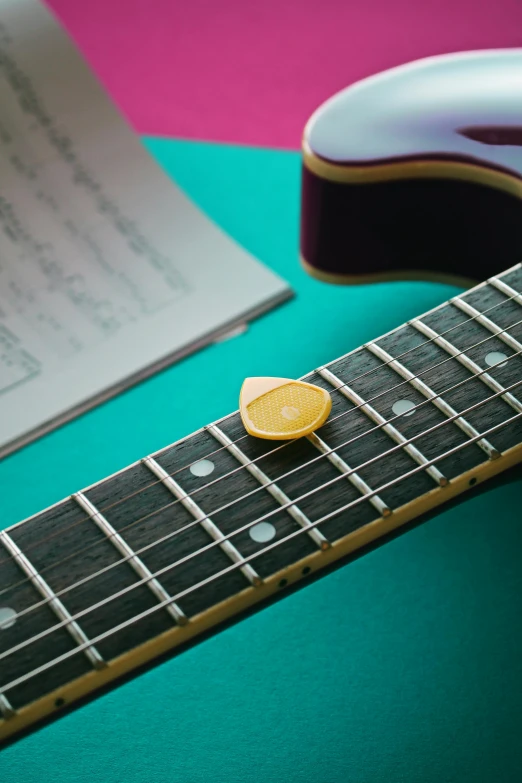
[(414, 172)]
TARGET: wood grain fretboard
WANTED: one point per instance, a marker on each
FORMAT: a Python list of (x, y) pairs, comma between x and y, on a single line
[(142, 562)]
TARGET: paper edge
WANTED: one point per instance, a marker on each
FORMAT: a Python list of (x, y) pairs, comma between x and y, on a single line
[(14, 445)]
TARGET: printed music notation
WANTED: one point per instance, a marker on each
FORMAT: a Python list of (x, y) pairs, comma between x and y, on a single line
[(107, 270), (54, 262), (16, 365)]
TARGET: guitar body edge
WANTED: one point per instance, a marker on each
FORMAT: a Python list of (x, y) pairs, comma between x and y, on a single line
[(392, 276), (416, 173)]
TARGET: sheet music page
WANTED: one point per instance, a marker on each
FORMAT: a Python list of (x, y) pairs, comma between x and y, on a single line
[(107, 271)]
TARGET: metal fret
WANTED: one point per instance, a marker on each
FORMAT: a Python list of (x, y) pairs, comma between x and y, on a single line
[(468, 363), (132, 559), (6, 710), (506, 289), (54, 603), (277, 493), (388, 428), (487, 323), (443, 406), (352, 476), (205, 521)]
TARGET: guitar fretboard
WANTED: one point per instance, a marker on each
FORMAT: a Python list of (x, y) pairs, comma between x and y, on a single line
[(137, 563)]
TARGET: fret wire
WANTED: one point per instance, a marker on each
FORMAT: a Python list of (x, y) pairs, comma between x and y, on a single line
[(492, 327), (130, 556), (468, 363), (294, 470), (505, 289), (352, 476), (6, 709), (441, 404), (204, 520), (427, 342), (388, 428), (234, 566), (224, 418), (271, 487), (271, 513), (79, 637)]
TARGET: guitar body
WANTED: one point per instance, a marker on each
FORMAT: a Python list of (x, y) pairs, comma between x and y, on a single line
[(416, 173)]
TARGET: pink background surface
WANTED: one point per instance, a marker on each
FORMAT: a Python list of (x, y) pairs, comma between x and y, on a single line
[(252, 72)]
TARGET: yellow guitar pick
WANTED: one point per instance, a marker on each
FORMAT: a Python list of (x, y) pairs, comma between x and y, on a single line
[(282, 409)]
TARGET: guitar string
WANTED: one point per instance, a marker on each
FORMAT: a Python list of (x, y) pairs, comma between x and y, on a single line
[(351, 380), (269, 514), (195, 522), (243, 467), (352, 503), (106, 634), (45, 539), (368, 372)]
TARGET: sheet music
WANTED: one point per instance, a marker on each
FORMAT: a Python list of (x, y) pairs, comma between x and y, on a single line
[(107, 271)]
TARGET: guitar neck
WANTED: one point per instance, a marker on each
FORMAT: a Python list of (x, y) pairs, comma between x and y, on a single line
[(142, 562)]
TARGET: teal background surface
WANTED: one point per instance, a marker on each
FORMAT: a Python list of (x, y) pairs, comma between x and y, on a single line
[(403, 666)]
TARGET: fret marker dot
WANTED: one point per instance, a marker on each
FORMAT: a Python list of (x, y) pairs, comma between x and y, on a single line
[(7, 617), (495, 357), (202, 468), (403, 406), (262, 532)]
